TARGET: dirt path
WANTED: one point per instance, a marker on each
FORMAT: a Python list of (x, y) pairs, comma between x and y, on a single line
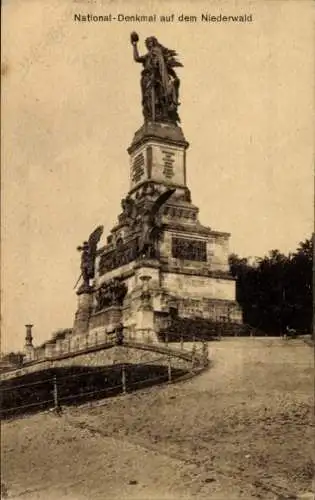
[(82, 463)]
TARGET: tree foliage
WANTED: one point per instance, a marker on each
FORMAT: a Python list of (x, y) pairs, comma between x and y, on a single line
[(275, 292)]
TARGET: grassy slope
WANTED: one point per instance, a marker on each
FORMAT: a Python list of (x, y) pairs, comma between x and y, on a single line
[(241, 430)]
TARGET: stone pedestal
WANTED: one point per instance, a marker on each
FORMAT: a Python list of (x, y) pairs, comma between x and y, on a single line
[(29, 353), (82, 316), (158, 154), (106, 320), (50, 350), (145, 326), (145, 314)]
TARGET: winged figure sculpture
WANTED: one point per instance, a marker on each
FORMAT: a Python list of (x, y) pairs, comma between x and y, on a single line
[(88, 250), (151, 227)]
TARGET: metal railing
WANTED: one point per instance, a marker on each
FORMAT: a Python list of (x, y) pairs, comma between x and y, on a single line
[(58, 389)]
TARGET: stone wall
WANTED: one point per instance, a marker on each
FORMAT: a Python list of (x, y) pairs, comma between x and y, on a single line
[(126, 269), (183, 285), (94, 357), (105, 320)]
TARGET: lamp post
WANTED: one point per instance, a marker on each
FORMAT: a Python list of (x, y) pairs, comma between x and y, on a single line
[(28, 346), (28, 336)]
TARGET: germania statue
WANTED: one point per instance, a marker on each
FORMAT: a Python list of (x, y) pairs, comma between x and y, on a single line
[(159, 81)]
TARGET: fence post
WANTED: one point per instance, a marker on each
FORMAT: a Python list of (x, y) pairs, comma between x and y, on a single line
[(123, 379), (169, 369), (57, 407), (166, 338), (181, 342), (205, 353), (193, 357)]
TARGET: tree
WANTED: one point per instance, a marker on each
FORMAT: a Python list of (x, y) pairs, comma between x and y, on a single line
[(277, 292), (301, 280)]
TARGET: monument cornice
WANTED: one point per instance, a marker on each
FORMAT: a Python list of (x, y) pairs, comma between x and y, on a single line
[(195, 229), (213, 300), (163, 133), (221, 233), (168, 268), (191, 228), (154, 264), (167, 184)]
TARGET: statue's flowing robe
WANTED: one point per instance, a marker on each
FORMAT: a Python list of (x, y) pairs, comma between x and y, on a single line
[(162, 69), (156, 75)]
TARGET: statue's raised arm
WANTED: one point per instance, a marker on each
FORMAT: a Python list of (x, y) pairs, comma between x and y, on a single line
[(159, 81), (134, 39)]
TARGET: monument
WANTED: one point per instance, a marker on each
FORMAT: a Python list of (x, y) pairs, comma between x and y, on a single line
[(159, 265)]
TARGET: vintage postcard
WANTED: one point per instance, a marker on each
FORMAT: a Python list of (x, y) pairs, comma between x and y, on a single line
[(157, 250)]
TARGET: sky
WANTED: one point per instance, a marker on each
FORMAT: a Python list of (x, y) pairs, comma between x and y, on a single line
[(70, 108)]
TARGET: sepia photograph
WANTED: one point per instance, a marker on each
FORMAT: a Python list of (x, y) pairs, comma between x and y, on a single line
[(157, 217)]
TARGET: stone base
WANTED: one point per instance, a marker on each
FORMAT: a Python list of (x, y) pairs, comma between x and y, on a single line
[(107, 320), (29, 353), (145, 326), (190, 276), (157, 292), (82, 316), (165, 133)]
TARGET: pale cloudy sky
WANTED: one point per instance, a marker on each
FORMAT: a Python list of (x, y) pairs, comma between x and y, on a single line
[(70, 107)]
